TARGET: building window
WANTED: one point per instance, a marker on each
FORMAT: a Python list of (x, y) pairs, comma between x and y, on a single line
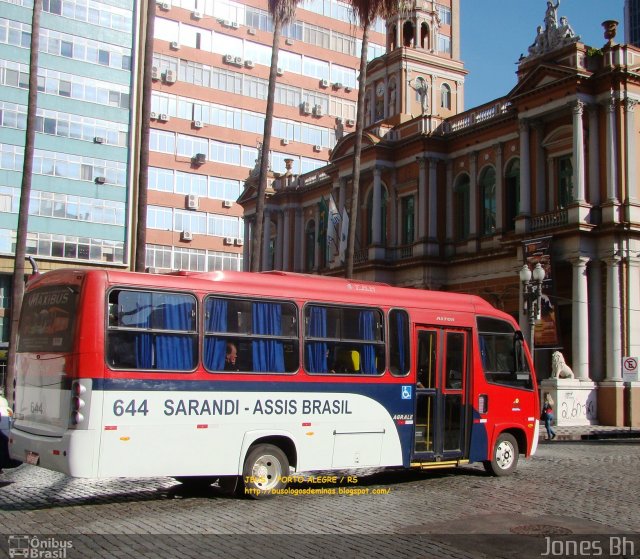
[(565, 181), (512, 195), (310, 246), (461, 208), (488, 197), (445, 96), (383, 216), (408, 219)]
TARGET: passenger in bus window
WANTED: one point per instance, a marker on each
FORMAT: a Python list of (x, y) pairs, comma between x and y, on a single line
[(231, 357)]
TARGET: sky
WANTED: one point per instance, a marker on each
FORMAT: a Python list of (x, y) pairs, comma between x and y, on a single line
[(496, 32)]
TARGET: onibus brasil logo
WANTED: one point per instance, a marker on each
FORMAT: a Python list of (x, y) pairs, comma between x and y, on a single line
[(38, 547)]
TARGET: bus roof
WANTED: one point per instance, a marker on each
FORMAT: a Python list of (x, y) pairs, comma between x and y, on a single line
[(284, 284)]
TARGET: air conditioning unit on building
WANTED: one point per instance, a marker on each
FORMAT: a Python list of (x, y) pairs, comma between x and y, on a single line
[(324, 83), (170, 76), (155, 73), (251, 30), (227, 203), (186, 236), (317, 110), (153, 116), (279, 71), (192, 201), (238, 60), (228, 240), (337, 85), (347, 89), (100, 180), (165, 5), (196, 14), (197, 124), (163, 117), (227, 59), (288, 41), (249, 63), (351, 122), (199, 158), (98, 140), (226, 23), (235, 25), (317, 147), (239, 242), (285, 141), (306, 109), (175, 45)]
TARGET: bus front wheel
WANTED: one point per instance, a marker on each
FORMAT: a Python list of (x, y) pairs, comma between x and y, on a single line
[(265, 471), (504, 457)]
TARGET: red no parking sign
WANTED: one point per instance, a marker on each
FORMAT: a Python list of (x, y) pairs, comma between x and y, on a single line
[(630, 369)]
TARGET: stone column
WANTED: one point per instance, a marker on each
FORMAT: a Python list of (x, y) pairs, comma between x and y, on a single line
[(433, 200), (266, 239), (499, 188), (580, 319), (613, 320), (286, 240), (630, 140), (525, 179), (594, 157), (377, 207), (421, 202), (578, 152), (611, 151), (541, 189)]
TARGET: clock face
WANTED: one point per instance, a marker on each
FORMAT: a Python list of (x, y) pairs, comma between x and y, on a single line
[(380, 90)]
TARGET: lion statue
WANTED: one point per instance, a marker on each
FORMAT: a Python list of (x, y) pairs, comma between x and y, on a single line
[(559, 369)]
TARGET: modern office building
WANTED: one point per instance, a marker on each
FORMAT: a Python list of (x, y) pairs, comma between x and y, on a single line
[(460, 201), (632, 22), (211, 69), (82, 179)]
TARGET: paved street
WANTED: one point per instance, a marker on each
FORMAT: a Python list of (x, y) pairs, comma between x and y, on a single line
[(583, 494)]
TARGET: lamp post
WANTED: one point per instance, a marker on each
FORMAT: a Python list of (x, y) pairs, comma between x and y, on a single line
[(532, 294)]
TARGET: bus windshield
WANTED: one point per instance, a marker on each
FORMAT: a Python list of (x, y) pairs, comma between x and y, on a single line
[(48, 320)]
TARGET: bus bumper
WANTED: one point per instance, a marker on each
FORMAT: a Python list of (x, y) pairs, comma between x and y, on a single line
[(71, 454)]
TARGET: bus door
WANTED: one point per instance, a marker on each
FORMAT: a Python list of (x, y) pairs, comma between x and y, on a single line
[(441, 392)]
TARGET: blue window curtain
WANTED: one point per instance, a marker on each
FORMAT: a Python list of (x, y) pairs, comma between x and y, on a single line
[(215, 348), (143, 342), (366, 329), (401, 321), (268, 355), (174, 351), (316, 352)]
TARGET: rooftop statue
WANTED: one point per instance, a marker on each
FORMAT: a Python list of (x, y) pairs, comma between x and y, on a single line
[(554, 35)]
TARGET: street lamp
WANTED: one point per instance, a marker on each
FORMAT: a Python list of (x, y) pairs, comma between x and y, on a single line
[(532, 294)]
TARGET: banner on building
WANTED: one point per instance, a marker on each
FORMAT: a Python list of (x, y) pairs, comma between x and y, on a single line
[(344, 233), (333, 230), (546, 330)]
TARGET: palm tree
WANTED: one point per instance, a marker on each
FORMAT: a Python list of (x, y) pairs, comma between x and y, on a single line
[(145, 130), (366, 12), (282, 12), (17, 293)]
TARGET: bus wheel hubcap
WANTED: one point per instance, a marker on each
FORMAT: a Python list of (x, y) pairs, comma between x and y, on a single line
[(504, 455), (267, 472)]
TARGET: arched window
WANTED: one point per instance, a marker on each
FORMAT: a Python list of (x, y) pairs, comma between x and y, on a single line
[(383, 216), (408, 219), (445, 96), (487, 185), (425, 39), (310, 246), (407, 34), (391, 34), (461, 208), (512, 195), (565, 181)]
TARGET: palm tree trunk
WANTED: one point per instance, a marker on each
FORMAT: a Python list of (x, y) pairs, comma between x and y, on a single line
[(258, 226), (357, 149), (145, 131), (25, 195)]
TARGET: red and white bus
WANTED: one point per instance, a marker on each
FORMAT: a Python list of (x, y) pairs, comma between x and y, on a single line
[(125, 374)]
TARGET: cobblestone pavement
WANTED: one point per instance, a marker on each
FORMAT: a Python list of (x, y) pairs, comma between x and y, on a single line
[(572, 493)]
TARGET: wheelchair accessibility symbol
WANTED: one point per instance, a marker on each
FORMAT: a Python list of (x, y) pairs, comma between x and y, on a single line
[(406, 392)]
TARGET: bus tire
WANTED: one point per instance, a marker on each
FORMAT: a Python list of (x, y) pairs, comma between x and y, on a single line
[(265, 470), (504, 457)]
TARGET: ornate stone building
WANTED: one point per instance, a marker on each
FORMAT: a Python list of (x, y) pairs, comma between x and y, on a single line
[(460, 200)]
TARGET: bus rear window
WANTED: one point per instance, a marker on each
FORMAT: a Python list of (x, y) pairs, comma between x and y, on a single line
[(502, 352), (47, 323)]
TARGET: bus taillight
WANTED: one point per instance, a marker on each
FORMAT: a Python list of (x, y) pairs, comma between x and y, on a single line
[(77, 403), (483, 403)]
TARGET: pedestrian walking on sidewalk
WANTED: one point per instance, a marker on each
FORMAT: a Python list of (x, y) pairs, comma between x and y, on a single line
[(547, 415)]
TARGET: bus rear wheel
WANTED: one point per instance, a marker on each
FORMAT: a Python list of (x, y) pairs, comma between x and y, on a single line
[(266, 470), (504, 457)]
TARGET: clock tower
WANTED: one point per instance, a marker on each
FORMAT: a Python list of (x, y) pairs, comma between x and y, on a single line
[(421, 74)]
